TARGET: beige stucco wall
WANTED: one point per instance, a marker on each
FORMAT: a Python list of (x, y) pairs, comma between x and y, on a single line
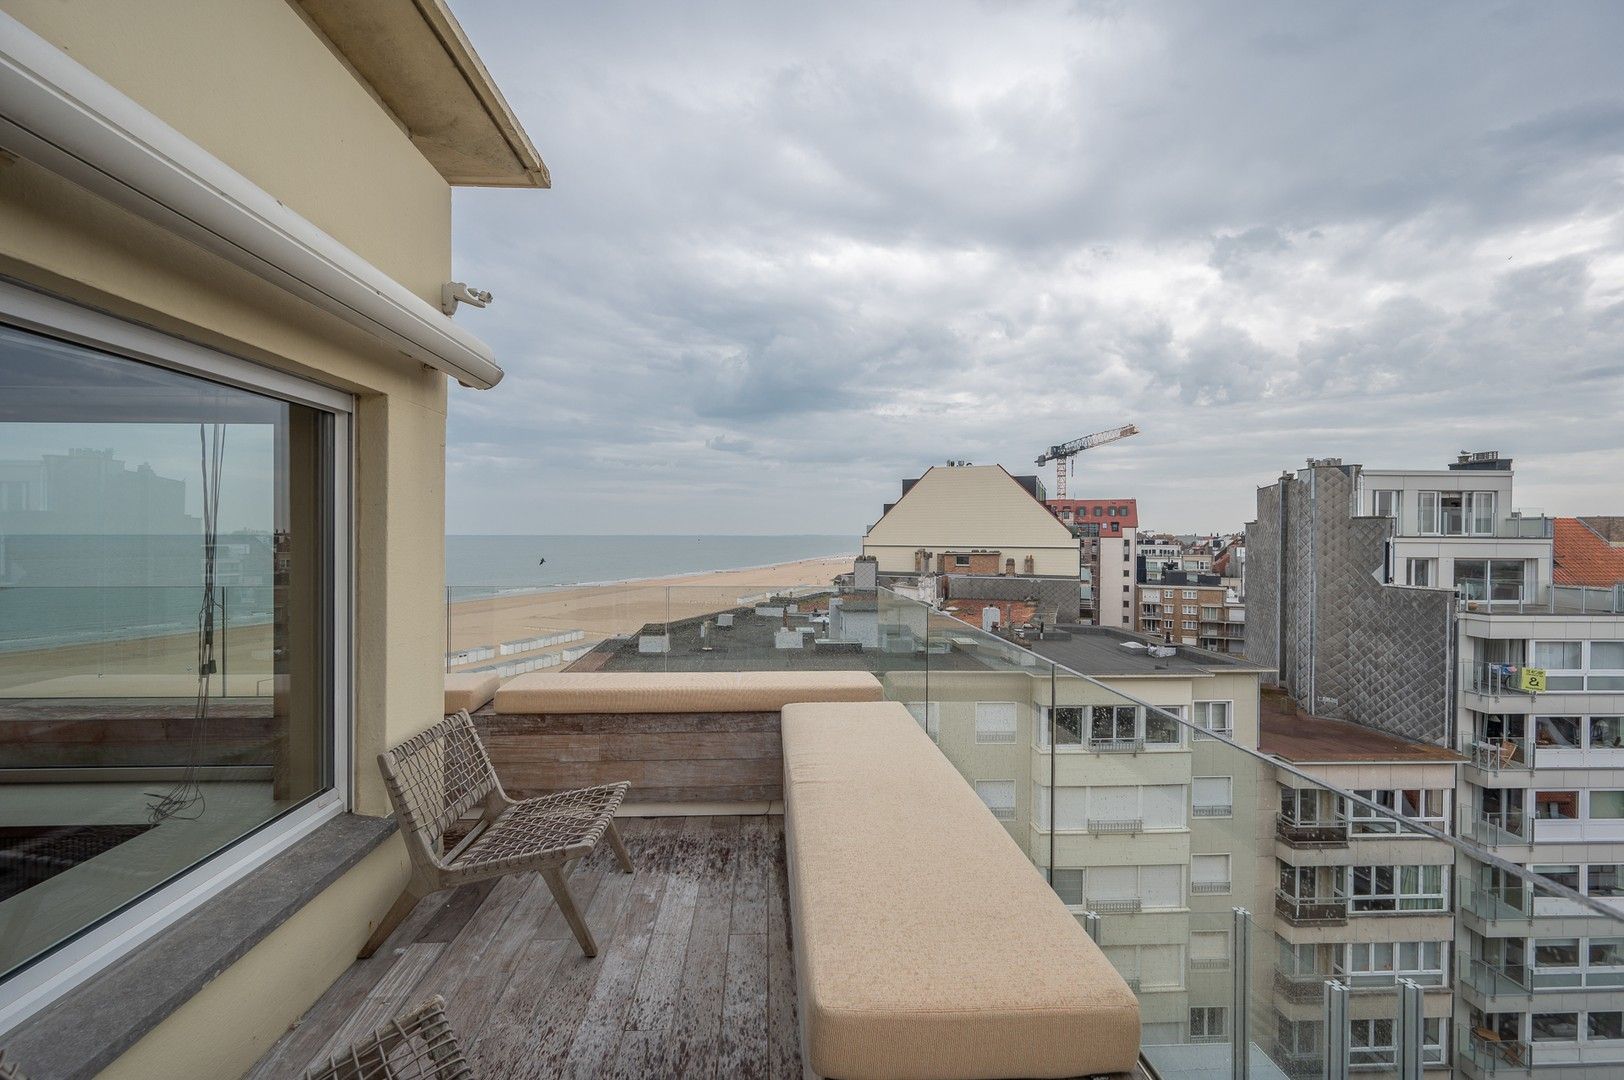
[(974, 506), (253, 84)]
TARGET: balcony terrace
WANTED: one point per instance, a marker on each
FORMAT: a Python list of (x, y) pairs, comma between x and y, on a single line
[(695, 977)]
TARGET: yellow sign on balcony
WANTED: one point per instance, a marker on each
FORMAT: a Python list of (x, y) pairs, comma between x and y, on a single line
[(1533, 680)]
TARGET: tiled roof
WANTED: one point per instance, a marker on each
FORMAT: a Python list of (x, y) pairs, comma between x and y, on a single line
[(1584, 558)]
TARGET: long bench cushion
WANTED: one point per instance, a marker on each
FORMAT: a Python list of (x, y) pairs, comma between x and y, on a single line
[(679, 692), (927, 944), (469, 690)]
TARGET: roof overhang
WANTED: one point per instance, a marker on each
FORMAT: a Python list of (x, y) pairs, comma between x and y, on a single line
[(414, 57), (56, 112)]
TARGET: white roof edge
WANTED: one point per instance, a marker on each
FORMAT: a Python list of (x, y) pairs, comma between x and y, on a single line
[(56, 112)]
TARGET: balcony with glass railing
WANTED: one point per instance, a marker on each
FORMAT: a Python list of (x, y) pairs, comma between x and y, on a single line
[(1097, 757)]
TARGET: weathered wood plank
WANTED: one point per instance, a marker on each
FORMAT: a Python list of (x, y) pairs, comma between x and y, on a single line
[(298, 1047), (454, 914), (513, 1017), (597, 1039), (493, 725), (783, 1022), (396, 992), (683, 773), (640, 746), (692, 1045), (754, 876), (744, 1044), (564, 1004), (645, 793)]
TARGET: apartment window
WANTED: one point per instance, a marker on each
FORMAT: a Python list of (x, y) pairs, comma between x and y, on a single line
[(1606, 879), (1209, 949), (1555, 1027), (1490, 579), (1456, 513), (183, 538), (929, 716), (1606, 805), (1167, 594), (1384, 962), (1063, 723), (1556, 732), (1162, 726), (1209, 874), (1191, 594), (1189, 624), (1556, 805), (961, 560), (1604, 1025), (1212, 796), (1559, 655), (1607, 732), (1114, 724), (1208, 1021), (1567, 875), (1213, 716), (1420, 572), (995, 721), (1068, 885), (999, 795), (1426, 805), (1398, 888), (1385, 503)]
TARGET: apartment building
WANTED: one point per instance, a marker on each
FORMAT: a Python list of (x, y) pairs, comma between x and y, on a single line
[(1421, 603), (1358, 900), (1192, 608), (972, 519), (1107, 531)]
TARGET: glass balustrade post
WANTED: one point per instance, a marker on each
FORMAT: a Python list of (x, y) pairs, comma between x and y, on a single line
[(1241, 971), (1411, 1029), (1336, 1030)]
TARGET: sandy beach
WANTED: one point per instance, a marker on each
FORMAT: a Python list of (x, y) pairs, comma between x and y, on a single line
[(600, 611), (165, 664)]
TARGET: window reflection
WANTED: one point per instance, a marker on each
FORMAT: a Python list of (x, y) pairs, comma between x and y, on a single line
[(165, 627)]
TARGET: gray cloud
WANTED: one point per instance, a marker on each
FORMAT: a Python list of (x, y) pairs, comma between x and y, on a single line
[(793, 254)]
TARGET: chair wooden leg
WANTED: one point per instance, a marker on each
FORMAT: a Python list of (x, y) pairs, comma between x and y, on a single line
[(620, 849), (402, 908), (554, 876)]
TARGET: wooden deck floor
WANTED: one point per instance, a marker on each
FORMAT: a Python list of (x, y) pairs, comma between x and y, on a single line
[(694, 975)]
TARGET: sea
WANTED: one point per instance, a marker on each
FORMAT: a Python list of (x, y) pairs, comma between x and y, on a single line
[(58, 589), (502, 563)]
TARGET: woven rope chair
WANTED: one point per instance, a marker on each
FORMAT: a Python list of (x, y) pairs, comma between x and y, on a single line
[(438, 777), (417, 1046)]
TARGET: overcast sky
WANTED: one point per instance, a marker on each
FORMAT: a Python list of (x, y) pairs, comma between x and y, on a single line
[(794, 253)]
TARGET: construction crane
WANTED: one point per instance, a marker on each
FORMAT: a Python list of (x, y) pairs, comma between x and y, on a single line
[(1061, 455)]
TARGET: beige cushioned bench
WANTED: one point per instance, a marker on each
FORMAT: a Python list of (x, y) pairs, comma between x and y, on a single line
[(547, 693), (927, 945), (469, 690)]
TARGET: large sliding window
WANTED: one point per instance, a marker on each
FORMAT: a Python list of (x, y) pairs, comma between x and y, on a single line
[(170, 629)]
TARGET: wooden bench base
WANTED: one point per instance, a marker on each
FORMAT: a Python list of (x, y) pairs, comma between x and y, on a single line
[(668, 757)]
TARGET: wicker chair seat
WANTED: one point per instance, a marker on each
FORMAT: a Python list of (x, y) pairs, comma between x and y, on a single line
[(545, 831), (439, 778)]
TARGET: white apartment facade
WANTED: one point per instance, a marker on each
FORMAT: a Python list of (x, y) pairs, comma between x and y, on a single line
[(1540, 717), (1160, 833)]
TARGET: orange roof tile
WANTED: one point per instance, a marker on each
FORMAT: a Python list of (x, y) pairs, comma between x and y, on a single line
[(1583, 557)]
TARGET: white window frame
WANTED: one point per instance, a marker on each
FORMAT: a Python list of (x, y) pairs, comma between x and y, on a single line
[(1228, 806), (1201, 717), (1002, 813), (95, 950), (1214, 1022), (1228, 880), (1395, 502), (991, 736)]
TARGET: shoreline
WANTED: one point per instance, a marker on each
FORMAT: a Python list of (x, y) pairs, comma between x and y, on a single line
[(524, 589)]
